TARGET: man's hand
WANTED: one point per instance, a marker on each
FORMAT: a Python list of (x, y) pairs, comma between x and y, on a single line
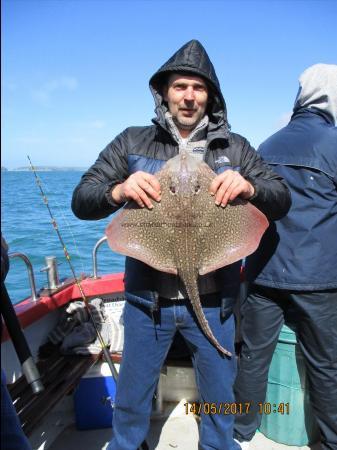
[(140, 187), (229, 185)]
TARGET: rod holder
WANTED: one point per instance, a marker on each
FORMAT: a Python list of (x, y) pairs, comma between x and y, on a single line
[(52, 272)]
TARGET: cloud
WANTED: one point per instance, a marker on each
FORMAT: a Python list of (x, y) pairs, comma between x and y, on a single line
[(97, 124), (94, 123), (30, 140), (44, 93), (36, 140), (283, 120), (71, 140)]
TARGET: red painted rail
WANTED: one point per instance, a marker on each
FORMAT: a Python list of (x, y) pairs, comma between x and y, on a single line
[(29, 311)]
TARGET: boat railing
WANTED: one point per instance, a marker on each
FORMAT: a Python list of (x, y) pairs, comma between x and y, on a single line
[(30, 271), (94, 256)]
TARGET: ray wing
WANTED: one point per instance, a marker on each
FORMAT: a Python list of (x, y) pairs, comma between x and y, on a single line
[(234, 233), (142, 234), (228, 234)]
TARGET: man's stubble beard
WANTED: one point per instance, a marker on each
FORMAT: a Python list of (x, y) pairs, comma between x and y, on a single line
[(185, 125)]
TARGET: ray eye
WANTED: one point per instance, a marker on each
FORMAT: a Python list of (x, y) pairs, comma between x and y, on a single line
[(172, 189), (197, 188)]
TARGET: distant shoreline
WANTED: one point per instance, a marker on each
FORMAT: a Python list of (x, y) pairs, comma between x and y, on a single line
[(45, 169)]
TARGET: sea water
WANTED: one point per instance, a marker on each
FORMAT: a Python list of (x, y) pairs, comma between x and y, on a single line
[(27, 228)]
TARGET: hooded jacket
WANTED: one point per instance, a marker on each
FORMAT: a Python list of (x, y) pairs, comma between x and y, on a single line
[(148, 148), (299, 252)]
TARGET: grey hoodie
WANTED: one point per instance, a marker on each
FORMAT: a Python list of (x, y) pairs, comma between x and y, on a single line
[(318, 89)]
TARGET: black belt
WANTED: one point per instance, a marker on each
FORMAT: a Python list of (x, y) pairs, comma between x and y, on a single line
[(213, 299)]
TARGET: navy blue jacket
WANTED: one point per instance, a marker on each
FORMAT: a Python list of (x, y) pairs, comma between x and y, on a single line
[(299, 252)]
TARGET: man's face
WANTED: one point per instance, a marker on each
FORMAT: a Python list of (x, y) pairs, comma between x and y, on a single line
[(186, 97)]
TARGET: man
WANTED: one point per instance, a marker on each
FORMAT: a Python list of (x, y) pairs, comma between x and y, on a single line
[(191, 114), (295, 268)]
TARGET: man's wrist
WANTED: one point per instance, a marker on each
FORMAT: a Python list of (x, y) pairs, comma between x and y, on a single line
[(116, 194), (251, 191), (256, 189)]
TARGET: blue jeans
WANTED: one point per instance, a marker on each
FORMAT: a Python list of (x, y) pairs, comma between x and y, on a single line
[(147, 341), (12, 436)]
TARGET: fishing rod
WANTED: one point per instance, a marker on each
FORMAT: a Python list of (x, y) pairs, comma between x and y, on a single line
[(144, 445), (77, 281)]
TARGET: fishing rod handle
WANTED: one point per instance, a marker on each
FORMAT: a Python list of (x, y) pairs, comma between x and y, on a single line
[(20, 344)]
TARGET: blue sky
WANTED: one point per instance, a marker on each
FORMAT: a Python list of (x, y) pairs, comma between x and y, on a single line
[(75, 72)]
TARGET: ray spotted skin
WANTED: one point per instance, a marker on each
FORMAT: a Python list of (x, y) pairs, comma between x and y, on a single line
[(186, 233)]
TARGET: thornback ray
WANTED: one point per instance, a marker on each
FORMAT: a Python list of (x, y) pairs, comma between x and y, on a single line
[(185, 233)]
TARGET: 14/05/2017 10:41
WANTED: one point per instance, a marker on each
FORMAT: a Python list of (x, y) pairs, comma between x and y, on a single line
[(235, 408)]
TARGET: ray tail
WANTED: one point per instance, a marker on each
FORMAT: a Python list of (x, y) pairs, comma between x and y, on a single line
[(189, 278)]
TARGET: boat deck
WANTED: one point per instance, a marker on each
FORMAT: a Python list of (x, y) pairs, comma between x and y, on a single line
[(177, 431)]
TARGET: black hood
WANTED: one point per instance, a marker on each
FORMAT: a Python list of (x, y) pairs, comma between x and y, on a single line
[(192, 59)]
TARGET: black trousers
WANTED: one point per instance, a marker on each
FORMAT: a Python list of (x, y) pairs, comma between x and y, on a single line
[(313, 315)]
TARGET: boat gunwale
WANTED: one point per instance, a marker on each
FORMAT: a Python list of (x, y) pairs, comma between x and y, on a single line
[(29, 311)]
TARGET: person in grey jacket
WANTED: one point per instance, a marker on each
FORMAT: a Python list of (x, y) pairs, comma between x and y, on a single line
[(190, 114), (294, 271)]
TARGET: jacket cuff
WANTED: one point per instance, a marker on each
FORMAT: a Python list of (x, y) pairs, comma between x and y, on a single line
[(253, 182), (108, 196)]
